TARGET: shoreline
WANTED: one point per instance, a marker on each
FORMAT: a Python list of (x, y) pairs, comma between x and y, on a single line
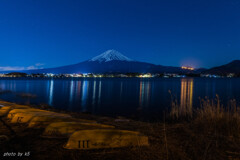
[(170, 140), (32, 136)]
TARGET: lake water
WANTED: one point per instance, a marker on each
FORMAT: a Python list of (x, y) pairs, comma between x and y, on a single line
[(143, 99)]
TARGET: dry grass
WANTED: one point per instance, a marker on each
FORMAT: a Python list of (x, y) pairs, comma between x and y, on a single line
[(211, 132), (225, 121), (215, 128), (211, 115), (179, 111)]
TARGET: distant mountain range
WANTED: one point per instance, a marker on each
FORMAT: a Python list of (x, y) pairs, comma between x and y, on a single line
[(232, 67), (113, 61)]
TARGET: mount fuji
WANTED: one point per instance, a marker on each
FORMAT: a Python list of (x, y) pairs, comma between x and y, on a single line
[(110, 55), (110, 61)]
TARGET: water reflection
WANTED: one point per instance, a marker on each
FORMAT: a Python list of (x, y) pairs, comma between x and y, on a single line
[(144, 93), (94, 92), (84, 94), (186, 99), (71, 92), (141, 93), (51, 92), (99, 92), (79, 85), (27, 86), (120, 96), (88, 92)]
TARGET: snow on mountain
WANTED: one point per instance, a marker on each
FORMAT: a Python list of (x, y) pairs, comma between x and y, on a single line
[(110, 55)]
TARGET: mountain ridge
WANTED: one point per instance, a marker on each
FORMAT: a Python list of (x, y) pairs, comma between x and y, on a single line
[(231, 67), (111, 61)]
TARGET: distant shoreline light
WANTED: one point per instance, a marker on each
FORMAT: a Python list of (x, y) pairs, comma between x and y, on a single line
[(188, 68)]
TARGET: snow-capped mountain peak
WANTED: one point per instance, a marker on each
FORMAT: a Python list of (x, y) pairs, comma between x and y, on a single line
[(110, 55)]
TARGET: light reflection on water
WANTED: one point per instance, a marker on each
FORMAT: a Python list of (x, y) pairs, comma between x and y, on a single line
[(51, 92), (94, 92), (84, 95), (71, 92), (121, 96), (186, 101), (144, 94), (99, 92)]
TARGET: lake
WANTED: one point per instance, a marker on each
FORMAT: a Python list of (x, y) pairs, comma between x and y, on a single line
[(138, 98)]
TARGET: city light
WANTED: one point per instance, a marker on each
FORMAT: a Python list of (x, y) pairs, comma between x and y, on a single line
[(188, 68)]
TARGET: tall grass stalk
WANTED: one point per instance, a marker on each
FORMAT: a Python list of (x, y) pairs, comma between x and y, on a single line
[(211, 115)]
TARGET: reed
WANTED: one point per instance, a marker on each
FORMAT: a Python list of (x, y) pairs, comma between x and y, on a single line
[(179, 111), (211, 116)]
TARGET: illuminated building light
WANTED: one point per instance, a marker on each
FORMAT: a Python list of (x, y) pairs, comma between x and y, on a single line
[(188, 68), (145, 76)]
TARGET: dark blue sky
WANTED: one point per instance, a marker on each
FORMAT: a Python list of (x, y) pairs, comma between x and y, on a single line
[(49, 33)]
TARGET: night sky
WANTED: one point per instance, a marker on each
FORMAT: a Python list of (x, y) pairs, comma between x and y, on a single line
[(50, 33)]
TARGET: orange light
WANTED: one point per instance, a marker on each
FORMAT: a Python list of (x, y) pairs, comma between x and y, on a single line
[(188, 68)]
